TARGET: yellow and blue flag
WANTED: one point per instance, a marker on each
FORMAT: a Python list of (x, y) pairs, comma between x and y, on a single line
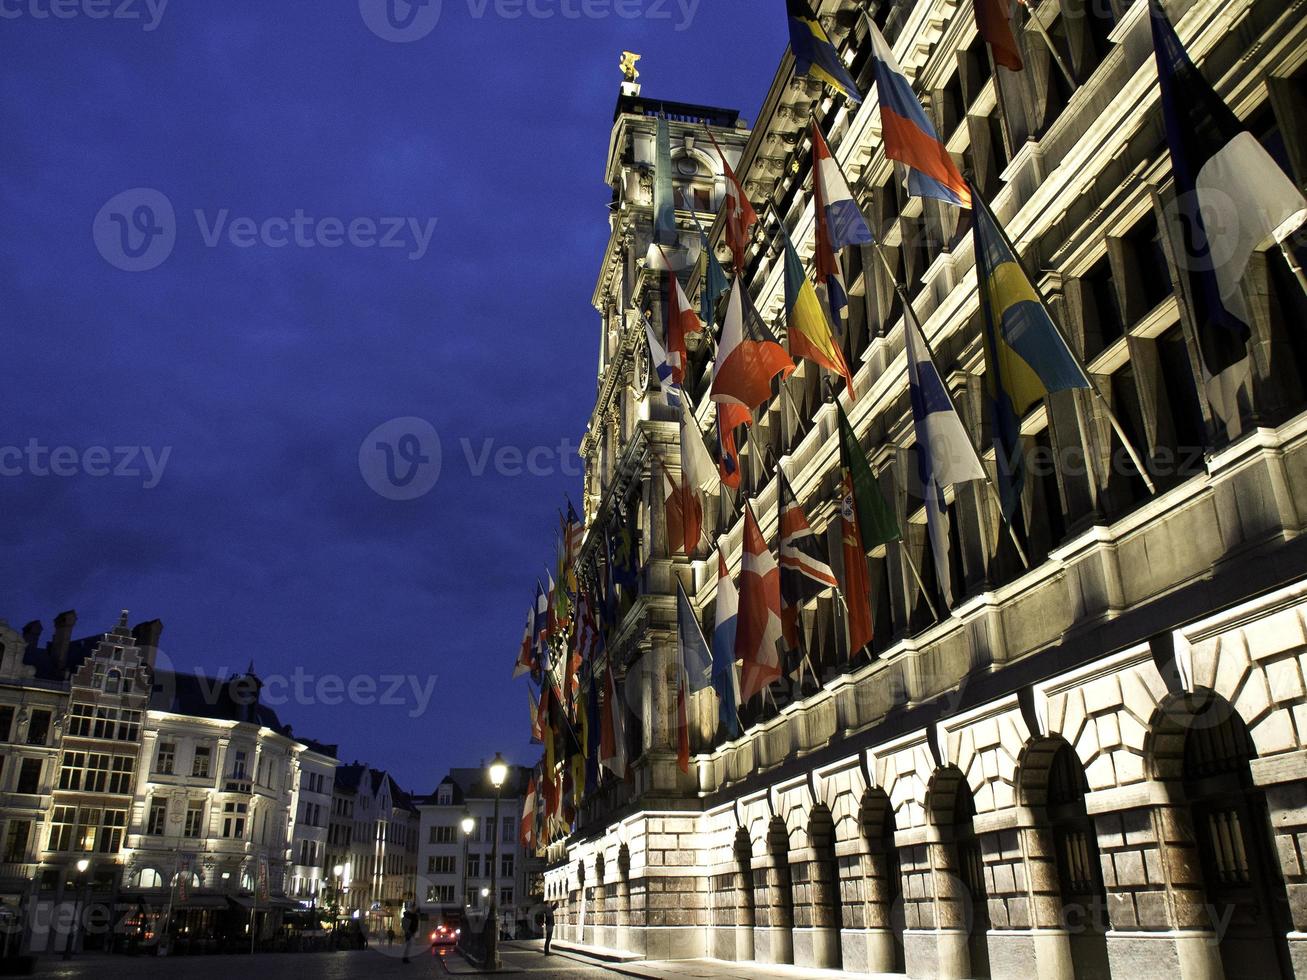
[(1026, 356), (814, 54)]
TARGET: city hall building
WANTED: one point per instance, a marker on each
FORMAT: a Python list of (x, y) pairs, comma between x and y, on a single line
[(1094, 765)]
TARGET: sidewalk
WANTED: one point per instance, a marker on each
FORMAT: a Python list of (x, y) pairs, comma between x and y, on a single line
[(702, 969)]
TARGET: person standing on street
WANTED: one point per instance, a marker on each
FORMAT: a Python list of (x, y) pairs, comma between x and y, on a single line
[(549, 926), (410, 925)]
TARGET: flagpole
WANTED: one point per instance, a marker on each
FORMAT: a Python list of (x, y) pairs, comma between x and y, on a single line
[(916, 574), (1093, 385), (911, 313), (1294, 266)]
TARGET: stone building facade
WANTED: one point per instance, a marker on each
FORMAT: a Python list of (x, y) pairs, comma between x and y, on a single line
[(177, 788), (1095, 765), (453, 870)]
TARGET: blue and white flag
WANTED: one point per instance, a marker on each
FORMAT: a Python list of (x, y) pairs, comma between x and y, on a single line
[(695, 655), (724, 679), (1231, 196), (945, 455)]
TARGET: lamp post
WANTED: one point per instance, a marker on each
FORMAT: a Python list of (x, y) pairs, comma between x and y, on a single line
[(70, 936), (498, 772)]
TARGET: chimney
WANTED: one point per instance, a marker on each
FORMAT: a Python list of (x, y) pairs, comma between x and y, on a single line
[(147, 638), (32, 634), (63, 635)]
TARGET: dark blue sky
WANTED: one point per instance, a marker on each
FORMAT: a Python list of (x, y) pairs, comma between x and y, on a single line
[(262, 369)]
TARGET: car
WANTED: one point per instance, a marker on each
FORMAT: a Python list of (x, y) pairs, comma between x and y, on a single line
[(445, 936)]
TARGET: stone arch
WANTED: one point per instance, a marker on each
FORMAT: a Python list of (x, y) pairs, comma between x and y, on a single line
[(816, 890), (773, 895), (1218, 833), (1064, 886), (882, 884), (961, 908)]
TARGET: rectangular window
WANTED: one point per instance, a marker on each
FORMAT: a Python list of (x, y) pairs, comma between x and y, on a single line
[(29, 776), (38, 729), (70, 770), (505, 897), (233, 820), (79, 720), (505, 865), (165, 759), (474, 865), (238, 765), (120, 778), (62, 823), (509, 830), (97, 772), (6, 722), (16, 837), (194, 825), (158, 821), (200, 762), (112, 825)]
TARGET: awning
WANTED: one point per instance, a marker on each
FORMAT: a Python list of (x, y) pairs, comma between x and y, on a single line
[(204, 902), (278, 902)]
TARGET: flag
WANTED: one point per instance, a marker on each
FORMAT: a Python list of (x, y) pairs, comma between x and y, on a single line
[(758, 634), (837, 210), (684, 513), (1231, 197), (695, 671), (740, 215), (945, 455), (624, 562), (593, 732), (1026, 356), (661, 366), (526, 662), (527, 824), (573, 536), (909, 135), (541, 627), (867, 522), (696, 464), (713, 282), (814, 54), (877, 524), (612, 741), (537, 733), (681, 320), (994, 26), (808, 328), (730, 418), (804, 571), (748, 356), (724, 679)]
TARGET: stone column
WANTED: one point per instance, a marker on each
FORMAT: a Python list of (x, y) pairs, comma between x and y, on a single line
[(773, 933), (745, 901), (950, 910), (1042, 912)]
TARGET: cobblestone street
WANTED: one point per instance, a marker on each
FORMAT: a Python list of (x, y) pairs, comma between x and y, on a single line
[(384, 963)]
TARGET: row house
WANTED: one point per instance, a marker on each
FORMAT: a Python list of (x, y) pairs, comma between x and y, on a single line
[(454, 868), (180, 791)]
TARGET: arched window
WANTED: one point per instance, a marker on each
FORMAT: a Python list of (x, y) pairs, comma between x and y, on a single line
[(113, 682), (149, 878), (1240, 869)]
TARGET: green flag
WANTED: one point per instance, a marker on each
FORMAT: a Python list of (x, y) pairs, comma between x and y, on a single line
[(876, 520)]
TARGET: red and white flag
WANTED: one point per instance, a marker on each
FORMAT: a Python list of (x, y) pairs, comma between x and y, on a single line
[(527, 826), (684, 513), (681, 320), (612, 735), (526, 655), (758, 633), (740, 215), (748, 356)]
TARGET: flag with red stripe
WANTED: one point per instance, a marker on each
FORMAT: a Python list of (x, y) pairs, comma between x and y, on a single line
[(758, 633), (804, 572)]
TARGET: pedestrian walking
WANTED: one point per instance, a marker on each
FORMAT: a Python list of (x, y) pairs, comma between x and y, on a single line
[(410, 925), (549, 927), (390, 935)]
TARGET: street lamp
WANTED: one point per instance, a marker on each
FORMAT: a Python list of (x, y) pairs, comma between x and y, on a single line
[(467, 824), (498, 772), (70, 936)]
